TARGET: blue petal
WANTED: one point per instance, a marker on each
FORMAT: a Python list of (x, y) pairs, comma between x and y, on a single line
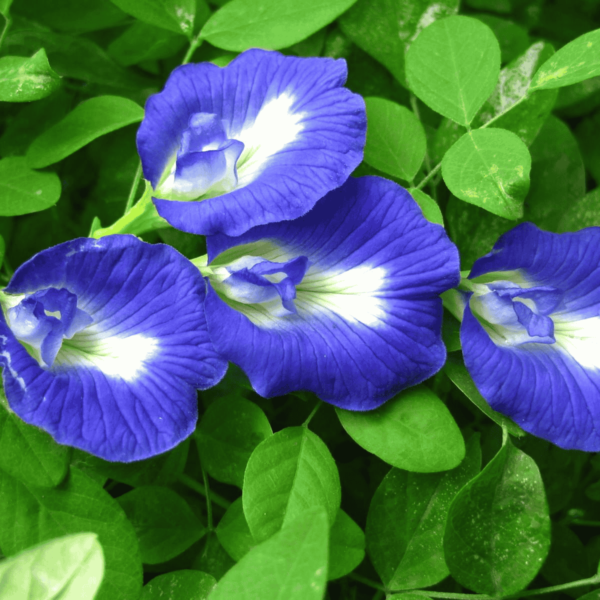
[(124, 387), (303, 134), (368, 321)]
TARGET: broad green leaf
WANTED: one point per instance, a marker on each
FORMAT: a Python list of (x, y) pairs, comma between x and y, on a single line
[(489, 168), (233, 532), (26, 79), (396, 141), (346, 546), (576, 61), (413, 431), (86, 122), (179, 585), (587, 134), (287, 475), (291, 565), (269, 24), (24, 191), (445, 136), (30, 515), (430, 208), (581, 214), (174, 15), (386, 28), (228, 432), (453, 67), (595, 595), (580, 98), (213, 558), (458, 374), (498, 529), (30, 454), (405, 524), (164, 523), (513, 38), (69, 568)]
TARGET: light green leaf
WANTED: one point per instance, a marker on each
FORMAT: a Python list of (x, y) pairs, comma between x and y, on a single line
[(291, 565), (164, 523), (489, 168), (458, 374), (386, 28), (413, 431), (453, 67), (27, 79), (23, 191), (269, 24), (430, 208), (288, 474), (396, 141), (498, 529), (5, 6), (69, 568), (346, 546), (233, 532), (179, 585), (88, 121), (30, 515), (228, 432), (405, 524), (174, 15), (578, 60)]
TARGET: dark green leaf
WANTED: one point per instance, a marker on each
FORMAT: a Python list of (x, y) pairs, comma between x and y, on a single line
[(179, 585), (489, 168), (228, 432), (430, 208), (27, 79), (30, 515), (346, 546), (69, 568), (413, 431), (164, 523), (291, 565), (446, 135), (233, 532), (24, 191), (405, 524), (174, 15), (269, 24), (499, 6), (288, 474), (88, 121), (213, 559), (453, 67), (513, 38), (581, 214), (395, 139), (587, 134), (498, 530)]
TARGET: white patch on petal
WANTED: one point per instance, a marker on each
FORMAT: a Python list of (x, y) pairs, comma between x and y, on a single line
[(580, 339), (275, 126)]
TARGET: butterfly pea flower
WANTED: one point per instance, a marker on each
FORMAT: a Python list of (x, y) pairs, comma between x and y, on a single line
[(531, 332), (104, 344), (258, 141), (343, 302)]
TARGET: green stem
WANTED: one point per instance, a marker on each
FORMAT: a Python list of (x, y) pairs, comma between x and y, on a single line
[(504, 435), (585, 522), (209, 514), (312, 414), (194, 45), (7, 22), (200, 489), (494, 119), (134, 188), (429, 176), (369, 582)]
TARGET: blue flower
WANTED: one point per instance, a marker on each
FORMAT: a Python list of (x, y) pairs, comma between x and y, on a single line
[(531, 332), (343, 302), (104, 343), (256, 142)]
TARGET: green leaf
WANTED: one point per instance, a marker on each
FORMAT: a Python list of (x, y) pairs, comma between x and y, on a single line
[(413, 431), (229, 431), (30, 454), (346, 546), (291, 565), (453, 67), (86, 122), (174, 15), (489, 168), (27, 79), (30, 515), (233, 532), (5, 7), (430, 208), (179, 585), (458, 374), (269, 24), (499, 6), (213, 559), (513, 38), (386, 28), (396, 141), (164, 523), (587, 134), (288, 474), (581, 214), (576, 61), (24, 191), (498, 529), (69, 568), (406, 519)]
